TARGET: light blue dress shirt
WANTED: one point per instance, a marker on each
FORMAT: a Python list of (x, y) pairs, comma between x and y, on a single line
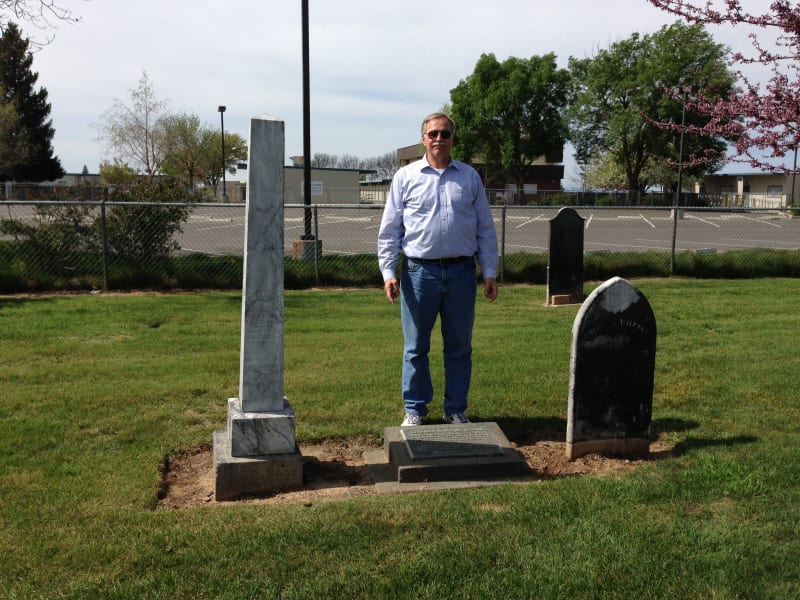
[(437, 215)]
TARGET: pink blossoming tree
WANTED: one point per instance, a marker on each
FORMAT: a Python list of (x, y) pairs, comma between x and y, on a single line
[(762, 121)]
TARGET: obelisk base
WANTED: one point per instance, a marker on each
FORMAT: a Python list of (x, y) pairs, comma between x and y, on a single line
[(253, 476)]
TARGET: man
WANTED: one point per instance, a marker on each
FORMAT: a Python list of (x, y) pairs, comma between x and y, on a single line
[(438, 217)]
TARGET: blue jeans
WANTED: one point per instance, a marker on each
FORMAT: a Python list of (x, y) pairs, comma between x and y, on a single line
[(428, 290)]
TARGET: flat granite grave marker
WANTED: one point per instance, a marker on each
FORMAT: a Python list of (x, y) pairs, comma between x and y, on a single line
[(612, 368), (565, 258), (258, 454), (456, 441), (432, 453)]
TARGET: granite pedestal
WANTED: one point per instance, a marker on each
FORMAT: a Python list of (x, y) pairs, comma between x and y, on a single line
[(253, 476)]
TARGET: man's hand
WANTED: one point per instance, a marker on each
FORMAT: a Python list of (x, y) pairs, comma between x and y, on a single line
[(490, 289), (391, 287)]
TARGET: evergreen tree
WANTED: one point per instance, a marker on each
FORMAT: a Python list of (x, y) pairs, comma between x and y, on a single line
[(17, 83)]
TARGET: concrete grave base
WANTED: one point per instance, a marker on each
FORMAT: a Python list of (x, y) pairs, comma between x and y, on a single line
[(254, 476), (431, 453), (305, 249), (564, 299), (633, 447)]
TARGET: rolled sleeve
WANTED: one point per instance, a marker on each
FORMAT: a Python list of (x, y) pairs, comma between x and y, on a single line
[(390, 234)]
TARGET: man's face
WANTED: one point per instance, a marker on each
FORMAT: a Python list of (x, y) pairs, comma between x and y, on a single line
[(438, 148)]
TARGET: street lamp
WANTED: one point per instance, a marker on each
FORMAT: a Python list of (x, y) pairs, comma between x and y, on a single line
[(221, 110), (307, 235), (794, 175)]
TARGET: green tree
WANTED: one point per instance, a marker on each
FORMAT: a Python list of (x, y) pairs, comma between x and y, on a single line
[(190, 149), (235, 152), (509, 114), (194, 151), (623, 90), (13, 140), (28, 144), (135, 132), (117, 173), (600, 172)]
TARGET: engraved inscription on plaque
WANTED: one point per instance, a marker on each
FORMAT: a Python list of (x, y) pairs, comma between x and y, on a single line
[(452, 441)]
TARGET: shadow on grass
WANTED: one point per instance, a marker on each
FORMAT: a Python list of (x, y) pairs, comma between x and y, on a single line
[(554, 429), (17, 301), (528, 431), (671, 425), (320, 474), (690, 444)]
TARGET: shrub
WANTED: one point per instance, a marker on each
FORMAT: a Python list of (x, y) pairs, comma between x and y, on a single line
[(56, 241), (141, 233)]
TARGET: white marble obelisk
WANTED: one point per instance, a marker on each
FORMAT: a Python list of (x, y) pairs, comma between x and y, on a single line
[(261, 361), (260, 453)]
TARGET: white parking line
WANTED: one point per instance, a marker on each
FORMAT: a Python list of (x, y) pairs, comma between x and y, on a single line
[(639, 217), (748, 243), (763, 222), (335, 220), (703, 221), (647, 245), (239, 225), (206, 252), (536, 218), (525, 247), (589, 220), (646, 221)]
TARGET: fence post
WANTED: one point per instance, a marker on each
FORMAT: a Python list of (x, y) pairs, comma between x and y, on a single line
[(503, 243), (105, 243), (317, 245)]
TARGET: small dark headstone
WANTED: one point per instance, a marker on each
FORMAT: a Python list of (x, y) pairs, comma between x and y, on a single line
[(565, 260), (612, 368)]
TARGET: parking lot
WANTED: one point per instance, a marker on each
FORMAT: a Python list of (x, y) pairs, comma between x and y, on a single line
[(219, 230)]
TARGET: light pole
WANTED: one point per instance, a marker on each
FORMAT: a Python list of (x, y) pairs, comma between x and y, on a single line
[(221, 110), (794, 176), (307, 235)]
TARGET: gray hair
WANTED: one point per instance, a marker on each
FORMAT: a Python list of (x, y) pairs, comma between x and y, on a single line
[(438, 115)]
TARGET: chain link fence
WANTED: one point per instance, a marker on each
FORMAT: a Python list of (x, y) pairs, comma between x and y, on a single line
[(89, 245)]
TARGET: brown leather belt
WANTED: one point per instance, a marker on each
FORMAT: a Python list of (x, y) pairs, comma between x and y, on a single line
[(441, 261)]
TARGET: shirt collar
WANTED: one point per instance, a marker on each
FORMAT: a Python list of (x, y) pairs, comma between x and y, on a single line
[(424, 164)]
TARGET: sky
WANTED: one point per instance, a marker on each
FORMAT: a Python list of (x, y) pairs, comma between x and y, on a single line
[(376, 67)]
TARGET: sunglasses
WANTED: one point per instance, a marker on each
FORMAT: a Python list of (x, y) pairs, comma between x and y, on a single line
[(437, 132)]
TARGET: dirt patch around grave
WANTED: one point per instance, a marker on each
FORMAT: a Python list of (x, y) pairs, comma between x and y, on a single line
[(336, 469)]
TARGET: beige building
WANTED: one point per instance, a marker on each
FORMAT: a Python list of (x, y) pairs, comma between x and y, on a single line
[(328, 186), (754, 189)]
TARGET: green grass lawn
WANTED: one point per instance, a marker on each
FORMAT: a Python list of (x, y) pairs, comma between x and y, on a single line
[(97, 390)]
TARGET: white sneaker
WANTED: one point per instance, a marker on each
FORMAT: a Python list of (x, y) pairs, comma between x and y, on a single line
[(456, 419), (411, 420)]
